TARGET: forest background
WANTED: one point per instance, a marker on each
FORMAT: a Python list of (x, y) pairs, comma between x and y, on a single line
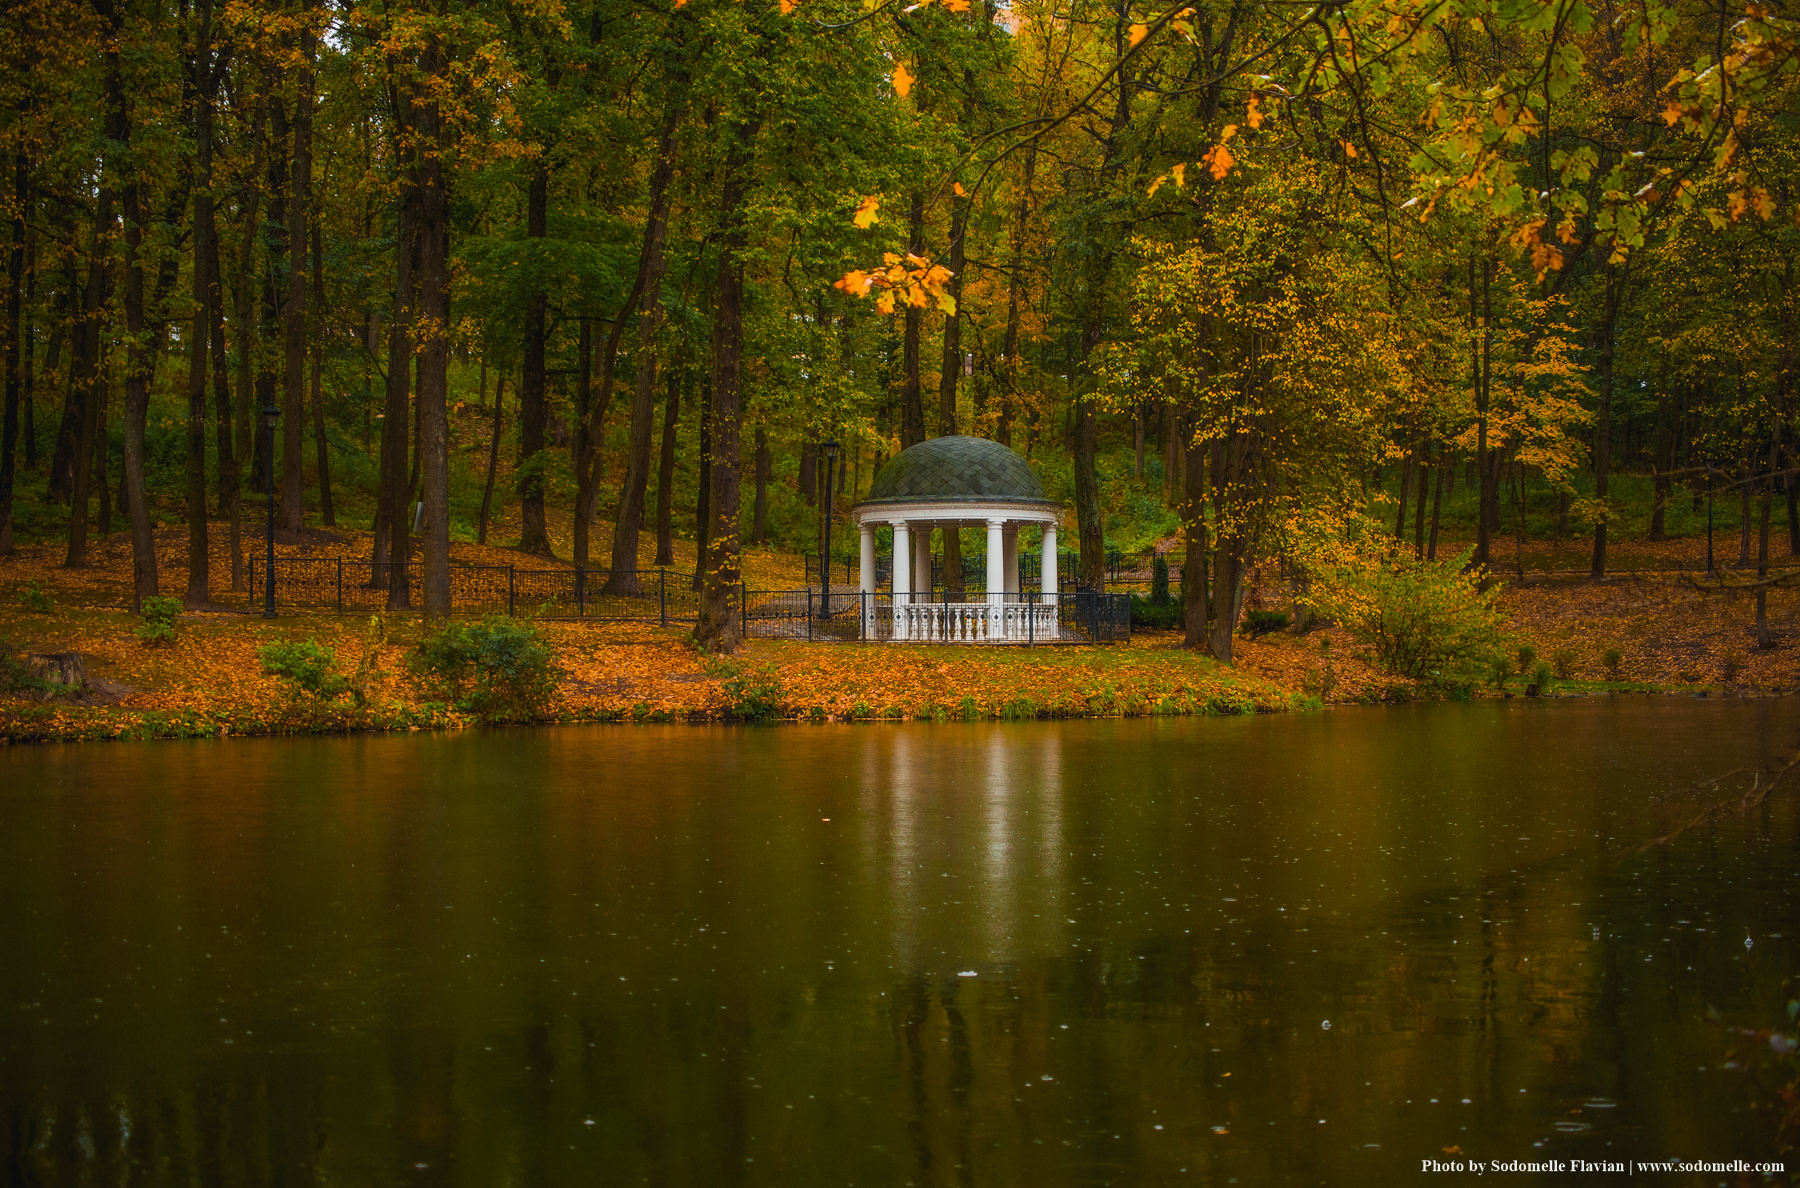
[(1278, 279)]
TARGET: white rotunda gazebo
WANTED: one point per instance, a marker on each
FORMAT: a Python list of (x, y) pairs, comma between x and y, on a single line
[(954, 483)]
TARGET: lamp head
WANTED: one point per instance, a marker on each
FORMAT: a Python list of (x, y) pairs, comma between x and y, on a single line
[(831, 451), (271, 414)]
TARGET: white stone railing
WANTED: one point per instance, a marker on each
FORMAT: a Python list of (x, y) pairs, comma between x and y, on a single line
[(975, 622)]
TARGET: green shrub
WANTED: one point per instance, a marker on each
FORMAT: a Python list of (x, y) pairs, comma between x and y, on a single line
[(1147, 612), (499, 669), (1527, 657), (1564, 662), (1427, 620), (307, 666), (1542, 680), (1262, 622), (754, 693), (158, 627), (1159, 581), (1500, 672), (1613, 659), (34, 600)]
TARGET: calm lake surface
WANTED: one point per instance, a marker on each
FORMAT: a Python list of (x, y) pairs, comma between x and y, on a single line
[(1307, 949)]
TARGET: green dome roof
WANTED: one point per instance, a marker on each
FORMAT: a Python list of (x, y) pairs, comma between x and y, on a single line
[(957, 469)]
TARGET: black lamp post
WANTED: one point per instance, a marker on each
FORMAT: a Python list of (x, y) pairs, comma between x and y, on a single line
[(271, 415), (831, 453)]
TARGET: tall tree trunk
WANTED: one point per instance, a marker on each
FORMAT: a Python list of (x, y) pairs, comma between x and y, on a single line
[(1445, 474), (87, 383), (1664, 462), (593, 431), (321, 445), (808, 477), (293, 402), (229, 477), (15, 301), (434, 344), (759, 532), (28, 347), (137, 403), (665, 472), (244, 332), (1428, 452), (1092, 531), (912, 399), (487, 491), (1603, 429), (623, 578), (1009, 350), (949, 372), (393, 519), (206, 298), (1406, 479), (718, 628), (1481, 313), (703, 496), (534, 407), (1195, 610), (1763, 637), (1784, 428)]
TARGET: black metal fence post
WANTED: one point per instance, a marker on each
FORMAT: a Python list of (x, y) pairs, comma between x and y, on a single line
[(743, 609), (340, 585), (662, 595), (580, 591), (809, 616), (511, 591)]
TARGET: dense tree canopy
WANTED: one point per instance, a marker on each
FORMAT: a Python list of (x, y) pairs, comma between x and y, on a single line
[(664, 249)]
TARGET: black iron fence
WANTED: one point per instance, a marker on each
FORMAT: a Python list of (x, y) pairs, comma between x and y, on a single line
[(658, 596), (602, 595)]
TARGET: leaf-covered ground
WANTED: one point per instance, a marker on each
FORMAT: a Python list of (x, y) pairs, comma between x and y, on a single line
[(1669, 633)]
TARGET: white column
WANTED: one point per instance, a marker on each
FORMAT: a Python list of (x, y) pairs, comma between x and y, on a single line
[(996, 564), (1011, 539), (1048, 583), (902, 562), (868, 557), (902, 577)]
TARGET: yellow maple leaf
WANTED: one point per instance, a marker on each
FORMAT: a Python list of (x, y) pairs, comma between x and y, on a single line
[(788, 6), (1672, 113), (957, 5), (903, 81), (947, 303), (1253, 114), (1179, 173), (1219, 160), (885, 302), (960, 192), (1228, 133), (865, 212), (1137, 33), (1349, 149), (1765, 205)]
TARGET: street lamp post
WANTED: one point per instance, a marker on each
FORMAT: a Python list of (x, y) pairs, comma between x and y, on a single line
[(271, 415), (831, 453)]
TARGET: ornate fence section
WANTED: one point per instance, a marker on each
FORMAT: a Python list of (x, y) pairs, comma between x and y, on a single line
[(1029, 618)]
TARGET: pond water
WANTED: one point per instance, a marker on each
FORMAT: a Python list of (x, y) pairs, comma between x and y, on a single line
[(1302, 949)]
